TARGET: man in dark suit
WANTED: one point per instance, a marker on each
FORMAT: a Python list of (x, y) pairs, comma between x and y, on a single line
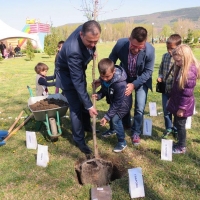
[(137, 58), (77, 51)]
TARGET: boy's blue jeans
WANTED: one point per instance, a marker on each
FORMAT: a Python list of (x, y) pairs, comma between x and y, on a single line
[(116, 124), (167, 114)]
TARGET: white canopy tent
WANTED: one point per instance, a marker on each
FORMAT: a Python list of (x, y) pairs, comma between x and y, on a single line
[(7, 32)]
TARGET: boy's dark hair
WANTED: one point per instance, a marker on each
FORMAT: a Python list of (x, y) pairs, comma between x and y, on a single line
[(105, 64), (91, 26), (60, 43), (174, 38), (40, 67), (139, 33)]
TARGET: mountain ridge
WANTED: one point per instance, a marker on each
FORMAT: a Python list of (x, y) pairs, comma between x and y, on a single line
[(159, 18), (168, 17)]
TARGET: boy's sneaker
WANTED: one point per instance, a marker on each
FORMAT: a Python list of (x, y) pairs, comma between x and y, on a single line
[(166, 133), (120, 147), (179, 150), (136, 139), (108, 133)]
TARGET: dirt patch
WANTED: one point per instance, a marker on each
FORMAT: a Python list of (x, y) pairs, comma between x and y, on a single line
[(99, 173), (46, 104)]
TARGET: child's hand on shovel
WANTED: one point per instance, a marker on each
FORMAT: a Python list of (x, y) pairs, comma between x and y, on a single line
[(96, 83), (103, 121)]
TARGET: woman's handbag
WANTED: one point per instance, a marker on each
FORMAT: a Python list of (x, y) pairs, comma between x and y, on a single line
[(160, 86)]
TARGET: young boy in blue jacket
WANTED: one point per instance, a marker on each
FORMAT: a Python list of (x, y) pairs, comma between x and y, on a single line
[(113, 86)]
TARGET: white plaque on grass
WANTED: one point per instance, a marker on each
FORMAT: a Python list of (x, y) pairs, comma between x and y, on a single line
[(152, 109), (31, 141), (147, 127), (42, 155), (136, 185), (188, 124), (166, 149)]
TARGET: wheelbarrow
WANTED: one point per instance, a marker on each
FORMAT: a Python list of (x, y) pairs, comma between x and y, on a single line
[(50, 117)]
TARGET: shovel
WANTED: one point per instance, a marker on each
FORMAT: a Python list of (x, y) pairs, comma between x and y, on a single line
[(95, 171), (4, 133), (8, 134)]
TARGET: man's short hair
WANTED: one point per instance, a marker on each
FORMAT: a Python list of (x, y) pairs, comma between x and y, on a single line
[(174, 38), (105, 64), (139, 33), (91, 26)]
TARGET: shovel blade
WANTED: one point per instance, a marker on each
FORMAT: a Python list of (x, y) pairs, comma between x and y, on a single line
[(3, 134), (2, 143)]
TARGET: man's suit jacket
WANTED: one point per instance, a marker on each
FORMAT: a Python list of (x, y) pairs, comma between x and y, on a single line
[(144, 65), (71, 65)]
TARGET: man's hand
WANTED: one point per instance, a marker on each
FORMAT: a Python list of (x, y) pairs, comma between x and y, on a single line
[(95, 55), (159, 79), (96, 83), (94, 96), (129, 89), (180, 112), (103, 121), (93, 111)]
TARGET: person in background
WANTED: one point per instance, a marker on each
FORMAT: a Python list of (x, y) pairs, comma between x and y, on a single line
[(167, 65), (181, 102), (41, 79), (77, 51), (17, 51), (2, 48), (113, 86), (137, 57), (10, 51), (56, 74)]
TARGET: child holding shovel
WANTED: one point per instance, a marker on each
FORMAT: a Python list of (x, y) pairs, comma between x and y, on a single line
[(113, 86), (41, 79)]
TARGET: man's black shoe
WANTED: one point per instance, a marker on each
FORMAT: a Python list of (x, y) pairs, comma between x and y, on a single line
[(84, 148)]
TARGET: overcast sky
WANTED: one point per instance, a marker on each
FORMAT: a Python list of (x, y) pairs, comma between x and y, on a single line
[(60, 12)]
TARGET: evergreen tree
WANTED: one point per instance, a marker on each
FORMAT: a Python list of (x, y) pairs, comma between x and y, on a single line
[(29, 50), (51, 42), (190, 39)]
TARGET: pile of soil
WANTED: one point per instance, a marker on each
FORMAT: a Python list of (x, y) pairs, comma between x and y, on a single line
[(46, 104)]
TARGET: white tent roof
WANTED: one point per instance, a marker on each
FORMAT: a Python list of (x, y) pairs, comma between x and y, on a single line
[(9, 32)]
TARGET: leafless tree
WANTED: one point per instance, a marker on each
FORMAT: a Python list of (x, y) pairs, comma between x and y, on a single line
[(93, 8), (182, 26)]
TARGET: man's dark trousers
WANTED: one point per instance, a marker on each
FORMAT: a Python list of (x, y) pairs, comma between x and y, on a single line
[(80, 117)]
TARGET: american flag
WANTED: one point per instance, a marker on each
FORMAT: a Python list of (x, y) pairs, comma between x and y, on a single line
[(39, 28)]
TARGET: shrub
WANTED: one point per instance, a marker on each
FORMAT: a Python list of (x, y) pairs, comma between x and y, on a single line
[(29, 50)]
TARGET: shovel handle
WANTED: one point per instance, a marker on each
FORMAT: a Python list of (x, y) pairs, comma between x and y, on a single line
[(22, 124), (18, 118), (96, 154)]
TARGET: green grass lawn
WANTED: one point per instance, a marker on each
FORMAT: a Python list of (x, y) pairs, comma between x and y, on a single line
[(21, 178)]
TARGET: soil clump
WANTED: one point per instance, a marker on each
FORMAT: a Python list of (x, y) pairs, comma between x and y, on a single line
[(47, 104)]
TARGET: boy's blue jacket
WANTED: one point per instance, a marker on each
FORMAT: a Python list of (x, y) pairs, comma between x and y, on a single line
[(115, 94)]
